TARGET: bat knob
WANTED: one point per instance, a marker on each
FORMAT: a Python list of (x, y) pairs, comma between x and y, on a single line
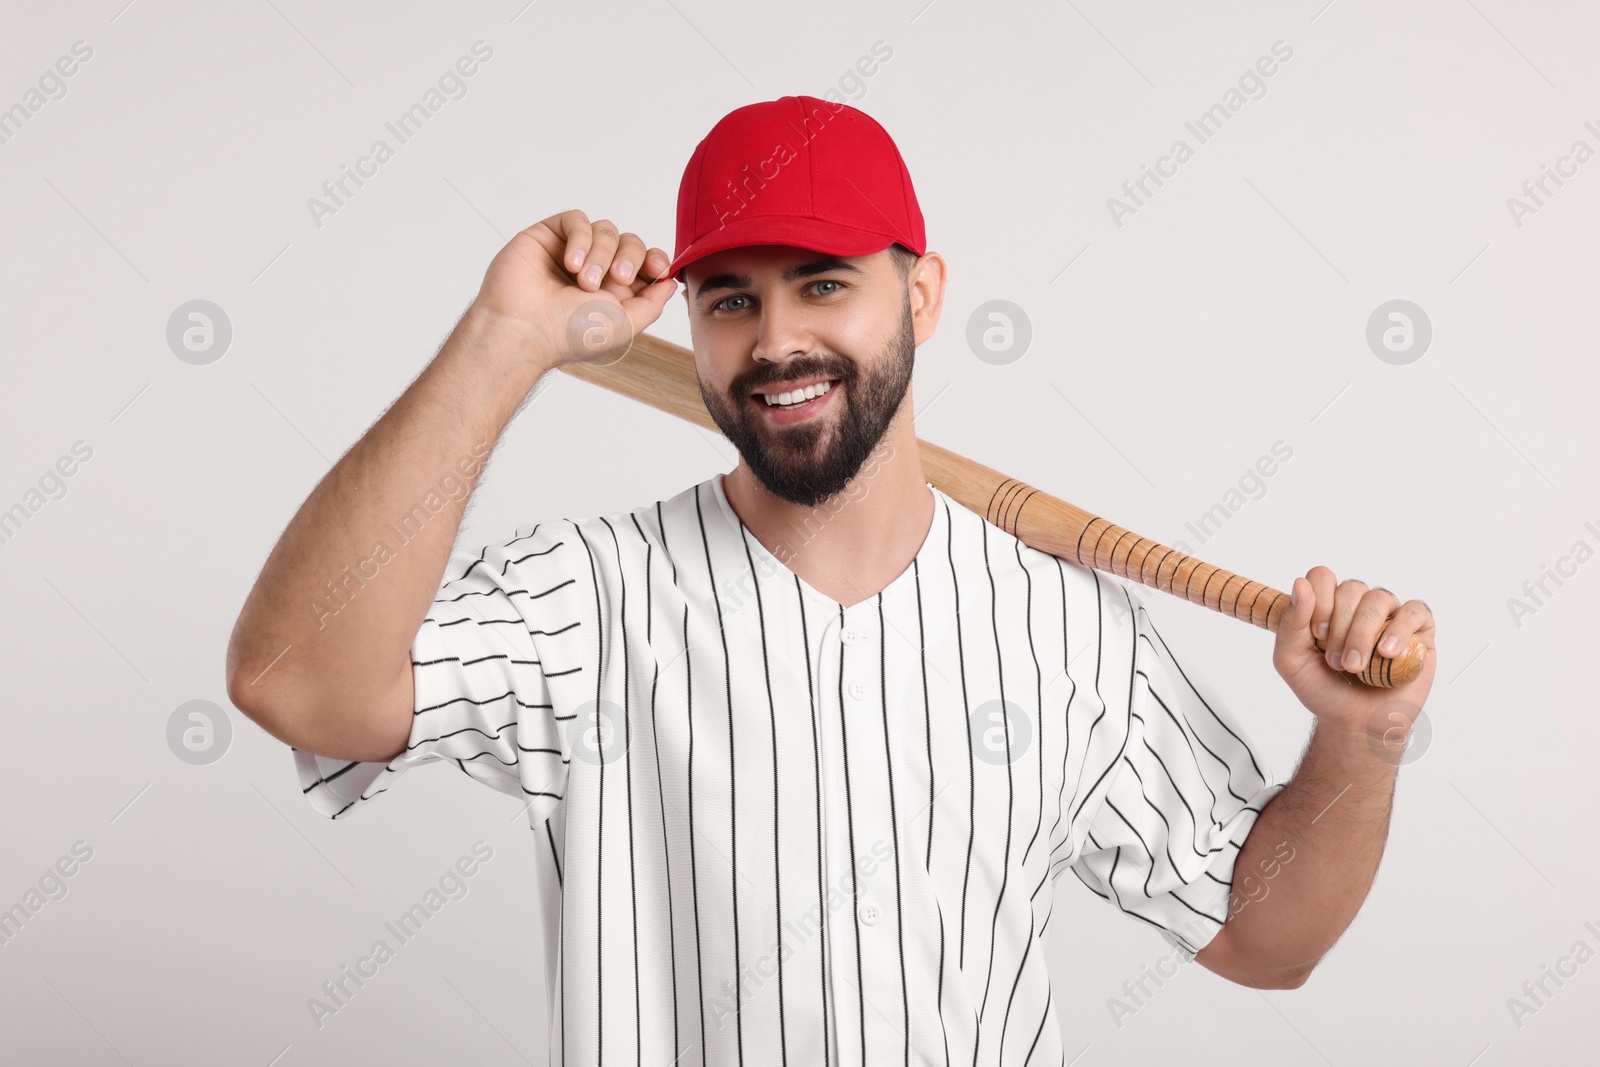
[(1386, 672)]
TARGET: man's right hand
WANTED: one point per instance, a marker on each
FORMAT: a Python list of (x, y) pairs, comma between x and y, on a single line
[(548, 281)]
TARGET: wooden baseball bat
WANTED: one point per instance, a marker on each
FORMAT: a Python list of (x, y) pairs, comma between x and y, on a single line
[(662, 375)]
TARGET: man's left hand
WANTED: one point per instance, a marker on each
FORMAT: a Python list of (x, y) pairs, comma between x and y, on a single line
[(1352, 620)]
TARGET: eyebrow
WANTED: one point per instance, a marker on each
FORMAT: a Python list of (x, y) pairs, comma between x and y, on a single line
[(795, 273)]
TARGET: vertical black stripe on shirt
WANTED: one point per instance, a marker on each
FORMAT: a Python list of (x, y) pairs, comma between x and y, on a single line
[(1005, 726), (943, 1029), (1066, 718), (966, 725), (694, 867), (850, 826), (600, 818), (627, 749), (816, 764), (632, 873), (1121, 749), (1040, 885), (1042, 880), (777, 835), (1039, 1031), (661, 793), (733, 798), (927, 709), (894, 830), (1038, 701), (554, 858), (927, 719), (561, 964), (561, 951), (1111, 879), (1099, 655), (1022, 968)]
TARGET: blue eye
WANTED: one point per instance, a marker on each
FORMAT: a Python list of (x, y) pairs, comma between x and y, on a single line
[(719, 305)]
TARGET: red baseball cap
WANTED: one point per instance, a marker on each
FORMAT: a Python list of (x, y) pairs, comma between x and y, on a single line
[(796, 171)]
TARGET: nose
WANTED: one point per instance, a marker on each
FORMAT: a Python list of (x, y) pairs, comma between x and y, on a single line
[(782, 332)]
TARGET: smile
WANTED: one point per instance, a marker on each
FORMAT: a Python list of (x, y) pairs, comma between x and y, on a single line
[(801, 403), (798, 396)]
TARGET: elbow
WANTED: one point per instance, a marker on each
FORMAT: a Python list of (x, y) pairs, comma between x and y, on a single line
[(1293, 980), (244, 692), (1253, 965), (247, 700), (1281, 977), (374, 725), (1254, 970), (241, 696), (236, 670), (258, 685), (262, 699), (285, 718), (1248, 965)]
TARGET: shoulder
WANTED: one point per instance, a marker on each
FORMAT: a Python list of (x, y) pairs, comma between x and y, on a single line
[(1082, 583), (597, 550), (1085, 600)]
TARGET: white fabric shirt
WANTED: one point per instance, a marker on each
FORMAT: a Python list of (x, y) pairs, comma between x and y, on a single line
[(714, 755)]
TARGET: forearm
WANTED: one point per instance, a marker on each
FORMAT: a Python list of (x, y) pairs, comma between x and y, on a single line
[(332, 615), (1309, 860)]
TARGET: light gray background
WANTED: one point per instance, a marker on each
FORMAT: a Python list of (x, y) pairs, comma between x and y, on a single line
[(1168, 355)]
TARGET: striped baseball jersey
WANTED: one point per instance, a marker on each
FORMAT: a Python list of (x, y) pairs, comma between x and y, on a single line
[(776, 829)]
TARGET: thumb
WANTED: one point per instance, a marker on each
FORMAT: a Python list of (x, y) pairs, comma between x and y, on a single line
[(645, 306), (1294, 629), (1293, 650)]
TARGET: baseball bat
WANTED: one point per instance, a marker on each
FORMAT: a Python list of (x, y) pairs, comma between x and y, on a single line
[(662, 375)]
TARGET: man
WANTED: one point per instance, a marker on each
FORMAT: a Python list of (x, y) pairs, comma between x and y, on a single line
[(805, 746)]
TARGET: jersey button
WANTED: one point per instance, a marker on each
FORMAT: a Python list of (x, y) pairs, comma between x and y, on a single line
[(869, 913), (857, 689), (853, 636)]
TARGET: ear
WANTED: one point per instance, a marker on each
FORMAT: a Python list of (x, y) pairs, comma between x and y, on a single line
[(925, 285)]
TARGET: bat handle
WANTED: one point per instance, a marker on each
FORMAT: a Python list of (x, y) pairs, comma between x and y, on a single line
[(1111, 548)]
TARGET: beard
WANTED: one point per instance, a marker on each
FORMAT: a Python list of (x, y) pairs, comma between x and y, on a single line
[(808, 463)]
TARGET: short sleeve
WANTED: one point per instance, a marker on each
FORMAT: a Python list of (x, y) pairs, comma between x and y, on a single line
[(482, 697), (1183, 795)]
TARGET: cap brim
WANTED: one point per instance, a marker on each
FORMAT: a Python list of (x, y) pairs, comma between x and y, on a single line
[(816, 235)]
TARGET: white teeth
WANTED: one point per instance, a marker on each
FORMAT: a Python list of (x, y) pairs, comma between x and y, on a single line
[(810, 392)]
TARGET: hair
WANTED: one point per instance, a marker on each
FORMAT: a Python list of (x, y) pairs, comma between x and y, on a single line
[(902, 258)]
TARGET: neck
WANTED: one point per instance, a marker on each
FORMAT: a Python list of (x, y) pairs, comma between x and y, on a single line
[(853, 545)]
